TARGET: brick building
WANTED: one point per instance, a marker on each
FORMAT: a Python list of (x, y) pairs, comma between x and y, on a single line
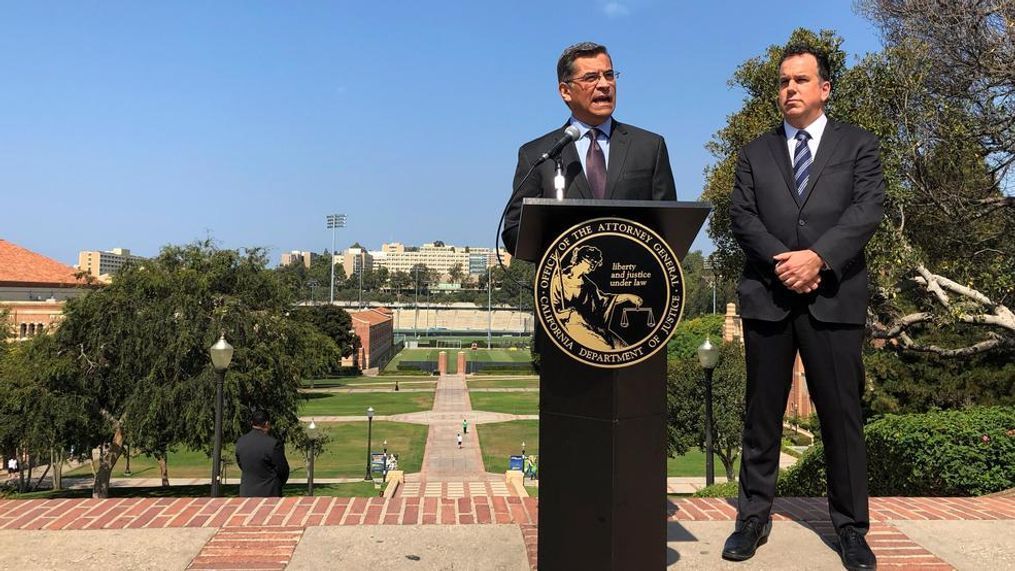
[(33, 289), (375, 329), (799, 402)]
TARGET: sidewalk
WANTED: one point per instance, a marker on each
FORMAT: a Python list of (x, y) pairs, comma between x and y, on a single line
[(467, 533)]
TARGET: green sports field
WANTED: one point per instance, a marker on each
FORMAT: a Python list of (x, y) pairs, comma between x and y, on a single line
[(478, 355)]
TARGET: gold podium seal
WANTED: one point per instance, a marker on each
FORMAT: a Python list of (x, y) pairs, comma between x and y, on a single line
[(609, 292)]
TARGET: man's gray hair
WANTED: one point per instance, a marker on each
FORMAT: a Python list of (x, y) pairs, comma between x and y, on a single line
[(565, 65)]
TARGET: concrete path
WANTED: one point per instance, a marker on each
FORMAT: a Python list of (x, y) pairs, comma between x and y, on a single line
[(443, 460)]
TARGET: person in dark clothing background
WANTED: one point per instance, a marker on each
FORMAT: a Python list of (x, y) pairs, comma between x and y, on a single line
[(261, 459)]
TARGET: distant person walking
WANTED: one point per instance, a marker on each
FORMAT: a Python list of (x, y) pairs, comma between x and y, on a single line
[(465, 426), (12, 467), (459, 440), (261, 459)]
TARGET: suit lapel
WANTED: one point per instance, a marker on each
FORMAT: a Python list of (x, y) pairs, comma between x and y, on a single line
[(829, 140), (780, 154), (619, 143), (573, 173)]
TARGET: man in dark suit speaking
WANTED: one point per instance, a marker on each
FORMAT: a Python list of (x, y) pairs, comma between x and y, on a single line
[(609, 160), (807, 198), (261, 459)]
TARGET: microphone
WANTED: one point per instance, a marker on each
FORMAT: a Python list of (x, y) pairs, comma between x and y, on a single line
[(571, 134)]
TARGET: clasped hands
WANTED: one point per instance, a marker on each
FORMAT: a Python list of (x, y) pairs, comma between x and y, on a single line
[(799, 270)]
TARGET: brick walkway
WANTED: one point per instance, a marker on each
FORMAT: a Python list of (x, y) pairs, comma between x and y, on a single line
[(262, 533)]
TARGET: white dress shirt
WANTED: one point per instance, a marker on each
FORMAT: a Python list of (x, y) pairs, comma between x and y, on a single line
[(815, 130)]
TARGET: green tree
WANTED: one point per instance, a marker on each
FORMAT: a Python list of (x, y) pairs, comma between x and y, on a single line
[(332, 321), (139, 349), (456, 274), (686, 404)]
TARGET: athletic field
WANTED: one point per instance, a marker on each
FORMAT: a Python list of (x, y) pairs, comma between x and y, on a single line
[(486, 355)]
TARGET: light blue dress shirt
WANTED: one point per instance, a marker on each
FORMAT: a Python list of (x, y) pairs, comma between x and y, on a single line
[(582, 144)]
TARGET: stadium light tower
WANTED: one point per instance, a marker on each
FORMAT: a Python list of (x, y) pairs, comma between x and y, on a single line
[(335, 221)]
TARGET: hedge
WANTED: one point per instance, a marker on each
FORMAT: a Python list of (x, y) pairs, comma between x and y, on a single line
[(967, 452)]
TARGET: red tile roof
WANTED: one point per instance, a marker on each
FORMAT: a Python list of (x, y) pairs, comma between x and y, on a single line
[(370, 316), (21, 267)]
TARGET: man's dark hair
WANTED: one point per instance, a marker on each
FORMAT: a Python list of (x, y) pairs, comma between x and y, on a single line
[(791, 50), (565, 65), (259, 418)]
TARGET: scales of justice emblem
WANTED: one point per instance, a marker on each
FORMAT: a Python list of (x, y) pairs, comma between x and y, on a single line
[(609, 292)]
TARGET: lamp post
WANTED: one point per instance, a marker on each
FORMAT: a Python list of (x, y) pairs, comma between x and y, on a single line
[(335, 221), (385, 471), (708, 356), (127, 471), (370, 435), (221, 355), (312, 437), (708, 272), (523, 448), (489, 307)]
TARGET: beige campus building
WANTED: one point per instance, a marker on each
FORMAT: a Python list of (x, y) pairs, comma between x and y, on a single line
[(297, 257), (437, 256), (101, 265)]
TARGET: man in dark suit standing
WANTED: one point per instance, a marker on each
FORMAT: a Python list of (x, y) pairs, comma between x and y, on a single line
[(610, 160), (261, 459), (806, 200)]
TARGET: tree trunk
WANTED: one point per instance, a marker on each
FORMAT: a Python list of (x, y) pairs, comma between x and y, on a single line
[(727, 459), (108, 455), (163, 469), (56, 460)]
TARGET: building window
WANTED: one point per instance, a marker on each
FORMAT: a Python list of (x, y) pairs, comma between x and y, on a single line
[(24, 331)]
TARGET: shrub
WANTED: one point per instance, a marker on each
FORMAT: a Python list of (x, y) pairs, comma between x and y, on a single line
[(722, 490), (806, 477), (945, 453)]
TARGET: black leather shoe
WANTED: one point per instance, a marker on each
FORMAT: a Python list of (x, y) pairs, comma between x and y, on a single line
[(745, 541), (856, 555)]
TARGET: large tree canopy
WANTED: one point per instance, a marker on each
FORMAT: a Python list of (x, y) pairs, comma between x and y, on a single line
[(134, 354)]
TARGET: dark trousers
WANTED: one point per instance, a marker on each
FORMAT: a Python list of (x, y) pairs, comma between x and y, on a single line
[(831, 355)]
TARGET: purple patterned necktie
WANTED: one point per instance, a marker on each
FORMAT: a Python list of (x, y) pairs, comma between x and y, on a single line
[(595, 166)]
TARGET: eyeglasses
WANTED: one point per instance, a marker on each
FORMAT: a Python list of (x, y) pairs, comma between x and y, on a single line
[(592, 78)]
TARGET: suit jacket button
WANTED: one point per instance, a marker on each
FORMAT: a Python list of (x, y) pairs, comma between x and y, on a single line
[(802, 223)]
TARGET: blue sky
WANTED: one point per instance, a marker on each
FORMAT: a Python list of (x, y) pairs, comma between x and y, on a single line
[(140, 124)]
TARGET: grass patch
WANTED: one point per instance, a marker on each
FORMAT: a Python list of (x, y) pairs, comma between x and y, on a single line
[(339, 382), (181, 464), (504, 384), (356, 404), (510, 403), (344, 455), (502, 439), (693, 464), (347, 490)]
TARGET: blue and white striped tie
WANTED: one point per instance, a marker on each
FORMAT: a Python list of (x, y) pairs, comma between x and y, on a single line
[(802, 162)]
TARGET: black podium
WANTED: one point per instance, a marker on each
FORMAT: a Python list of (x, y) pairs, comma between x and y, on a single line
[(602, 431)]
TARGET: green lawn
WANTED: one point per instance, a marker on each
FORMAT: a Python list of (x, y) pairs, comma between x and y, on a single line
[(356, 404), (485, 383), (181, 464), (693, 464), (510, 403), (349, 490), (344, 455), (502, 439), (339, 382)]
